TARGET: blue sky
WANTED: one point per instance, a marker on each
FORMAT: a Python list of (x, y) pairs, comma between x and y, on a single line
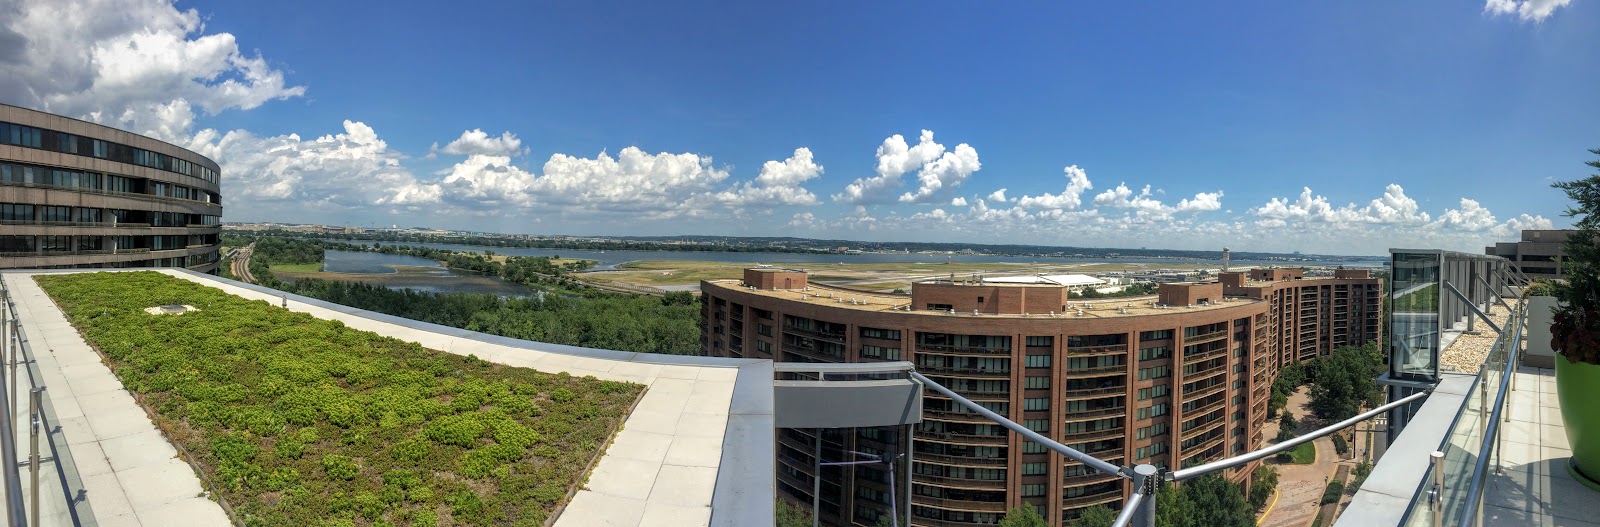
[(1412, 123)]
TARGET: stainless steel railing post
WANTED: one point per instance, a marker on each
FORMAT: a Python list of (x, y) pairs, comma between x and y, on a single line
[(33, 451), (1436, 500)]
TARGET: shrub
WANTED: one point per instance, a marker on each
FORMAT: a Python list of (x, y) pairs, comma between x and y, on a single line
[(465, 503), (461, 430), (233, 448), (410, 450), (1333, 492), (340, 467), (561, 395), (1340, 445)]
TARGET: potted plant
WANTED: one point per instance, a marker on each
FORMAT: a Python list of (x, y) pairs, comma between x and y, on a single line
[(1575, 330)]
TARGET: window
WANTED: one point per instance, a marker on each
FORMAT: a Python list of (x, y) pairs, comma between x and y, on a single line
[(1157, 372), (1035, 403), (940, 307), (764, 347), (55, 214), (1038, 361), (881, 334), (1041, 342), (16, 212), (1032, 490), (1033, 469), (1160, 334), (1030, 447), (1037, 425), (764, 330), (1037, 383), (879, 352), (1158, 352), (1155, 430)]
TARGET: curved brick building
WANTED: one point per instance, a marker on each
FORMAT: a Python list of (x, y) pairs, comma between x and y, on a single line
[(1173, 380), (78, 194)]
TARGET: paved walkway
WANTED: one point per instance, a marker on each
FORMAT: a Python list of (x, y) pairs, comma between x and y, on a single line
[(1299, 486), (131, 474)]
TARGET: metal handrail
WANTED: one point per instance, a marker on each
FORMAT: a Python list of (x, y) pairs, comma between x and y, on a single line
[(1024, 431), (1242, 459), (1474, 497), (16, 513)]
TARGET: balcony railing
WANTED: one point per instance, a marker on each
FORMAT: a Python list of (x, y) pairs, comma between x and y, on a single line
[(959, 505), (817, 334), (1097, 350), (961, 461), (960, 483), (961, 350)]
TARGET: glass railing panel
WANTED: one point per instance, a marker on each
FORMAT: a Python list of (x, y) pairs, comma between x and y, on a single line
[(1463, 444)]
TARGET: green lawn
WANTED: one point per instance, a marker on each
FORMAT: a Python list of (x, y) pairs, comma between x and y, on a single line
[(295, 420), (297, 268), (1304, 454)]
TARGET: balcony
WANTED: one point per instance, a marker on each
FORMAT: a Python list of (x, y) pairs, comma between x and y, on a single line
[(1202, 392), (960, 461), (1095, 413), (815, 355), (1202, 429), (1115, 494), (1086, 393), (979, 351), (959, 483), (1205, 337), (974, 372), (1112, 349), (1099, 371), (959, 505), (1087, 478), (960, 438), (816, 334), (1095, 435)]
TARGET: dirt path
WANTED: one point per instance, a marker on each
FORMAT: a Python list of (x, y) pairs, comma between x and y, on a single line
[(1300, 486)]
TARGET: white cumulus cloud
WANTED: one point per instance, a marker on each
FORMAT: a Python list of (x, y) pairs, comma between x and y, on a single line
[(938, 171), (1527, 10), (477, 142), (1069, 198), (778, 184), (142, 65)]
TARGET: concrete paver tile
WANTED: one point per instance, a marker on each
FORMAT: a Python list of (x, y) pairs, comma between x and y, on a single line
[(599, 510), (687, 486), (627, 478)]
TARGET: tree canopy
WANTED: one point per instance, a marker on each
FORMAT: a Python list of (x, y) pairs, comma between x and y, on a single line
[(1023, 516), (1346, 381)]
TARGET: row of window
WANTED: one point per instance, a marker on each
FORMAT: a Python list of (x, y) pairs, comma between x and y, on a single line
[(1160, 390), (1154, 411), (36, 175), (59, 244), (1152, 450), (33, 137), (29, 213), (1155, 430)]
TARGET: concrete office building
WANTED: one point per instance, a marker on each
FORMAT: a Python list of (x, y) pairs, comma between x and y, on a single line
[(1538, 254), (1174, 379), (78, 194)]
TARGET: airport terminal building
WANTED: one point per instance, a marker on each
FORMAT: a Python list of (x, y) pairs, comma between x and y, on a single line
[(1174, 379), (75, 194)]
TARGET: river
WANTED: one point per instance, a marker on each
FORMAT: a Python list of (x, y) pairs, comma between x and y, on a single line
[(609, 260)]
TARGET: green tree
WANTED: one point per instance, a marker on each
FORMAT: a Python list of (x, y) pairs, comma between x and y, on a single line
[(790, 515), (1346, 381), (1262, 484), (1215, 502), (1023, 516), (1577, 321), (1096, 516)]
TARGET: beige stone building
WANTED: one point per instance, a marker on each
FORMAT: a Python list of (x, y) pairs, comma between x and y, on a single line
[(75, 194)]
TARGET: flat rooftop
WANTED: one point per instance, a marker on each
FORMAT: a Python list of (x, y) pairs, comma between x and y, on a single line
[(884, 302), (690, 453)]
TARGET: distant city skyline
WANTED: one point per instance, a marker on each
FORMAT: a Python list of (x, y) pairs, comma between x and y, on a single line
[(1325, 129)]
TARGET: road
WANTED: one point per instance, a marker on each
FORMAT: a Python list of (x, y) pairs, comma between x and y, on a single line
[(1300, 486), (240, 263)]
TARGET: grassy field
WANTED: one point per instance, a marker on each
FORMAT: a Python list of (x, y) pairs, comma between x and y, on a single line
[(294, 420), (296, 268), (1305, 454)]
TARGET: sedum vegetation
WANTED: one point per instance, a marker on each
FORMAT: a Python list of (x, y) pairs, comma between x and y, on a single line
[(295, 420)]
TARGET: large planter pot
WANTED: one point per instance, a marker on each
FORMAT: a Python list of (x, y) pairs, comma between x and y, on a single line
[(1577, 388)]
